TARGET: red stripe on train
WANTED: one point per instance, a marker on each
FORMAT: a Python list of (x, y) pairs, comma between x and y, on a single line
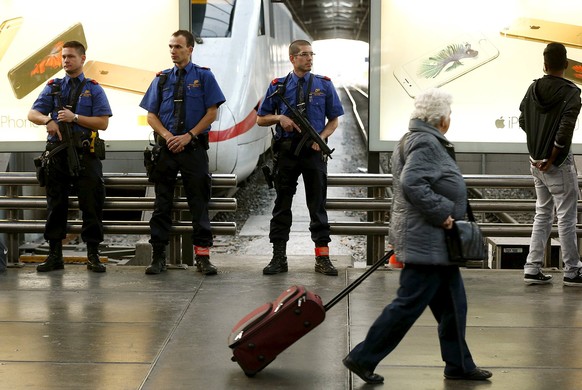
[(234, 131)]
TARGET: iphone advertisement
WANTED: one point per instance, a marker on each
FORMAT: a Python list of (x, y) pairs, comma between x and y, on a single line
[(123, 54), (485, 55)]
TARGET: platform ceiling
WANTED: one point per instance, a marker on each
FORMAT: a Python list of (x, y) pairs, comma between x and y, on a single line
[(329, 19)]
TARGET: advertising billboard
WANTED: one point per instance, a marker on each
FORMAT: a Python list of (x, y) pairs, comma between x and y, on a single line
[(124, 52), (485, 54)]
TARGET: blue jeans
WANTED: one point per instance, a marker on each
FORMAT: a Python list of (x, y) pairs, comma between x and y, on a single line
[(556, 189)]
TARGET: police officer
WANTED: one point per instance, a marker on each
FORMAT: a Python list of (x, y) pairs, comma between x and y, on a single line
[(182, 103), (315, 96), (87, 110)]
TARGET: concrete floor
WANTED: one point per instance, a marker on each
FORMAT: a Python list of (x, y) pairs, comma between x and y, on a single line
[(75, 329), (79, 330)]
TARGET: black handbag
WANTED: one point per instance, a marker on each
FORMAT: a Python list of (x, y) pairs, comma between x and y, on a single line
[(465, 241)]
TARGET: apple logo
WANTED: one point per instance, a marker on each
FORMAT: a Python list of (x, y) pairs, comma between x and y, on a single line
[(500, 123)]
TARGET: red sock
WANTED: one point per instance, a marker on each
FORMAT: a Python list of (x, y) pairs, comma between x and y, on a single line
[(201, 250), (322, 251)]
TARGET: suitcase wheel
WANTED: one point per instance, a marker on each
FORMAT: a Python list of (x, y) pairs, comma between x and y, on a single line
[(250, 374), (233, 359)]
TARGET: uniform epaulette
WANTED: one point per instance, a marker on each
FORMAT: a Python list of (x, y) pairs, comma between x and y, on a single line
[(93, 81), (202, 67), (323, 77), (51, 81), (275, 81), (161, 72)]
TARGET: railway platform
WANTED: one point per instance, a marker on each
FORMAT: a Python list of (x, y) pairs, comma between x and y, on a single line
[(75, 329)]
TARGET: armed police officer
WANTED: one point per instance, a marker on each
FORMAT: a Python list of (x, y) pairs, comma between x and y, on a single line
[(182, 103), (316, 98), (73, 109)]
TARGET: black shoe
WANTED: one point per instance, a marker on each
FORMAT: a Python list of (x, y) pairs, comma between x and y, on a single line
[(324, 266), (366, 375), (52, 263), (93, 264), (478, 374), (575, 281), (538, 278), (276, 266), (204, 265), (155, 268)]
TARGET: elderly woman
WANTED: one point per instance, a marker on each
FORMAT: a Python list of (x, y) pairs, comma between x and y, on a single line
[(429, 194)]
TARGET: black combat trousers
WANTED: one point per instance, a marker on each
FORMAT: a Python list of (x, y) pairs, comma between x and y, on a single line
[(313, 167), (90, 189), (192, 163)]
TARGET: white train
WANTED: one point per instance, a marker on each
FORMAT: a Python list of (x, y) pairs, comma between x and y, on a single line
[(245, 43)]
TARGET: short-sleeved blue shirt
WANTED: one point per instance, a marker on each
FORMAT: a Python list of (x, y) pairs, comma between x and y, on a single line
[(92, 102), (322, 100), (201, 92)]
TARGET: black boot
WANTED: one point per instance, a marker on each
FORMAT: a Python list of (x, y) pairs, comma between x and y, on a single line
[(323, 264), (278, 263), (93, 262), (54, 259), (204, 265), (158, 264)]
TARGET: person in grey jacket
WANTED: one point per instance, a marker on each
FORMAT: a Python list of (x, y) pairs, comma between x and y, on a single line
[(429, 194)]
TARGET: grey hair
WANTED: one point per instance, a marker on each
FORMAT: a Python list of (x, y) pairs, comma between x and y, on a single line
[(432, 105)]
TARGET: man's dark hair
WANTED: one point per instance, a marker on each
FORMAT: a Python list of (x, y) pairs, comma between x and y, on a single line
[(186, 34), (75, 45), (294, 46), (555, 56)]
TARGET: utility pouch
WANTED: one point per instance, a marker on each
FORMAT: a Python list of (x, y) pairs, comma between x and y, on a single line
[(99, 148), (204, 141)]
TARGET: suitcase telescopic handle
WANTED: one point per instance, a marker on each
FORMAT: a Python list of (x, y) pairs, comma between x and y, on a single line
[(342, 294)]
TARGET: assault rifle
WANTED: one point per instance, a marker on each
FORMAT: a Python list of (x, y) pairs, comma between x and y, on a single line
[(308, 132), (66, 130)]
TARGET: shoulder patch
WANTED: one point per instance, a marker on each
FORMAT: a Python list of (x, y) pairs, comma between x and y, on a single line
[(275, 81), (161, 72), (323, 77), (51, 81), (93, 81)]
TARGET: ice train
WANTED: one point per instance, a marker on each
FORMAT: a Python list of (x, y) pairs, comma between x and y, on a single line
[(245, 43)]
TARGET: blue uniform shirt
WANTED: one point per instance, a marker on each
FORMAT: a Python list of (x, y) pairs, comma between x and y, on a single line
[(92, 102), (201, 92), (322, 101)]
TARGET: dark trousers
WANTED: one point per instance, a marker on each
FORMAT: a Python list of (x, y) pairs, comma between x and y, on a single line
[(90, 190), (439, 287), (311, 165), (192, 164)]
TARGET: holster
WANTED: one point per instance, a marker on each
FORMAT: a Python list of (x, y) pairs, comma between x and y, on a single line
[(150, 161), (40, 166)]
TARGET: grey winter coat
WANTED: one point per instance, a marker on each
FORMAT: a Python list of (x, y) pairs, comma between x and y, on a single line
[(427, 189)]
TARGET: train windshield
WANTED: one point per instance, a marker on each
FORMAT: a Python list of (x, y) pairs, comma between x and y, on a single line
[(212, 18)]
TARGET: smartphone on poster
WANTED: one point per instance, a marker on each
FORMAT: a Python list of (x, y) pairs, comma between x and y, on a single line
[(8, 30), (120, 77), (574, 71), (544, 31), (446, 62), (44, 63)]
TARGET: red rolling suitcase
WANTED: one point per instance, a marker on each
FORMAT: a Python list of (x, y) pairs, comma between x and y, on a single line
[(264, 333)]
